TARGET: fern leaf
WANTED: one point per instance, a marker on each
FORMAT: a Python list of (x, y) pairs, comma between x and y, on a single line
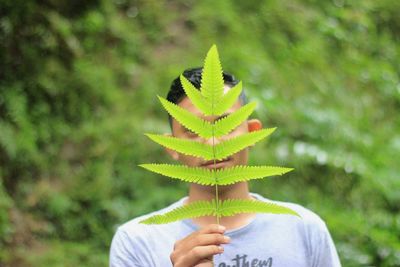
[(231, 207), (245, 173), (204, 176), (184, 146), (212, 81), (225, 125), (192, 210), (228, 99), (228, 207), (211, 100), (205, 151), (198, 100), (196, 175), (231, 146), (197, 125), (201, 150)]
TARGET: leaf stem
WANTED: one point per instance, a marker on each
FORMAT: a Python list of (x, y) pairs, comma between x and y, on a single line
[(215, 178)]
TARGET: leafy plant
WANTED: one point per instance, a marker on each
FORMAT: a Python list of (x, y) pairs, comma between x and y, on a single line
[(212, 101)]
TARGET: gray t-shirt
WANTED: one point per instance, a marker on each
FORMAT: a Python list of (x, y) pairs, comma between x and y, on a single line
[(269, 240)]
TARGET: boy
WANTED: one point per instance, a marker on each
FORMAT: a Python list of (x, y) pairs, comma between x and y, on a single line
[(241, 240)]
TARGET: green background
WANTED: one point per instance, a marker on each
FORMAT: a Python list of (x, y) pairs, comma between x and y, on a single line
[(78, 86)]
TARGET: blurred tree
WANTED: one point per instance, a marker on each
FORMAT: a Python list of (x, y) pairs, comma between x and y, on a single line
[(77, 79)]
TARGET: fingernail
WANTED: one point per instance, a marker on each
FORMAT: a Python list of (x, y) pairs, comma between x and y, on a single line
[(221, 228), (220, 249), (227, 239)]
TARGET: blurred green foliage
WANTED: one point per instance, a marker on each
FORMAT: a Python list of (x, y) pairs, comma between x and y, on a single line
[(78, 86)]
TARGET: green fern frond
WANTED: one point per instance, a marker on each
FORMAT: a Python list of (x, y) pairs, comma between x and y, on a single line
[(212, 101), (228, 99), (198, 100), (228, 207), (233, 145), (212, 81), (204, 104), (192, 210), (225, 125), (204, 176), (240, 173), (184, 146), (231, 207), (196, 175), (197, 125), (205, 151)]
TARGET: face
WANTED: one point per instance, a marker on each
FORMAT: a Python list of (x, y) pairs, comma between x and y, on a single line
[(178, 130)]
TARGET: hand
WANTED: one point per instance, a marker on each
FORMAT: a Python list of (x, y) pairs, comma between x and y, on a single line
[(198, 248)]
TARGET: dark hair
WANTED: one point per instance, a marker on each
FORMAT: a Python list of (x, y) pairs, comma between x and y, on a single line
[(176, 92)]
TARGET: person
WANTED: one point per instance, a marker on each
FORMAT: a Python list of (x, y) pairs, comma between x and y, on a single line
[(242, 240)]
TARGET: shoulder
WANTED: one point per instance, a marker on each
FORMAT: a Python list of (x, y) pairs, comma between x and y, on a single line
[(311, 230), (133, 242), (309, 227), (311, 221), (134, 227)]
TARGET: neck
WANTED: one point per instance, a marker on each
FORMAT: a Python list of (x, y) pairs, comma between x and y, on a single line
[(235, 191), (201, 192)]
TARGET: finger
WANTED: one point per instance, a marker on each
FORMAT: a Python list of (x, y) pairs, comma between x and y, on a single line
[(209, 229), (199, 254), (209, 239), (192, 240), (212, 228)]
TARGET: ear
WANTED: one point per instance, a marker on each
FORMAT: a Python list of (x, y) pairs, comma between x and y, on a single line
[(254, 125), (174, 155)]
